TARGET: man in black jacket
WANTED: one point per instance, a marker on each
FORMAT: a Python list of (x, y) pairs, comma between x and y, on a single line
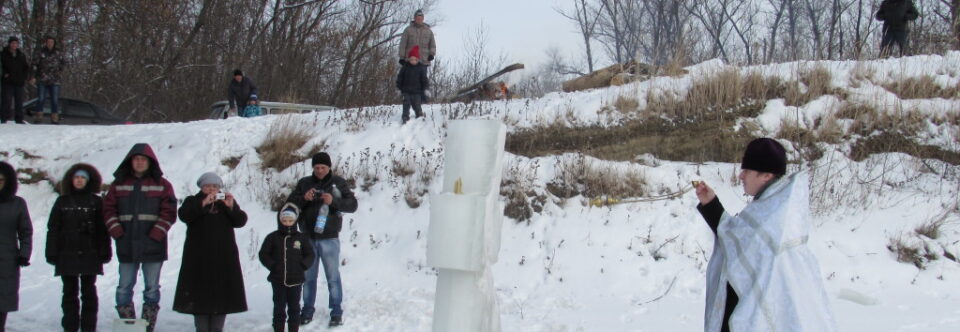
[(323, 192), (240, 92), (16, 72), (895, 14)]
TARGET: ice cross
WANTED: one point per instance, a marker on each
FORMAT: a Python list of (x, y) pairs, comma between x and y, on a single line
[(465, 221)]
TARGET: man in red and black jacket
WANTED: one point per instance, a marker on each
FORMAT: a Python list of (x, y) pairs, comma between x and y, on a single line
[(139, 210)]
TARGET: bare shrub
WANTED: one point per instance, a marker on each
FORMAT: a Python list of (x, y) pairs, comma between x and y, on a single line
[(922, 87), (286, 136), (518, 185)]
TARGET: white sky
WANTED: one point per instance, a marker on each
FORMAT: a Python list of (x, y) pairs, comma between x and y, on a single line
[(520, 29)]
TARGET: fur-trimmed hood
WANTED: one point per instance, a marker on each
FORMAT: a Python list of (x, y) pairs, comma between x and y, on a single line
[(11, 183), (93, 184)]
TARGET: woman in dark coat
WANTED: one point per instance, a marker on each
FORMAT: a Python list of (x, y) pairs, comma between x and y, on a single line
[(211, 282), (16, 241), (78, 245)]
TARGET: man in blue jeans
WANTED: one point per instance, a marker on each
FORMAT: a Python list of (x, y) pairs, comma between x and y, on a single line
[(48, 65), (139, 210), (323, 197)]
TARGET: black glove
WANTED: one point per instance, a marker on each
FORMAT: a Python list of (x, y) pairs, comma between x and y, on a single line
[(403, 61), (23, 261), (430, 58)]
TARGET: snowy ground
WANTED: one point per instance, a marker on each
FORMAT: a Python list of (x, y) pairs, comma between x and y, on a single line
[(632, 267)]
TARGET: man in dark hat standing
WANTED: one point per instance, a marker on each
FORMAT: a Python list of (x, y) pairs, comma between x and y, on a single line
[(240, 92), (16, 72), (419, 34), (322, 198), (761, 265)]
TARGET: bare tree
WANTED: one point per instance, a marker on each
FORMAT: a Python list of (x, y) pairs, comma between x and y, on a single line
[(586, 17)]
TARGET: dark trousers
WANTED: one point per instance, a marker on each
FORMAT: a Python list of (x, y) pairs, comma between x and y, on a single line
[(3, 321), (75, 316), (286, 303), (415, 100), (893, 36), (11, 95), (209, 323)]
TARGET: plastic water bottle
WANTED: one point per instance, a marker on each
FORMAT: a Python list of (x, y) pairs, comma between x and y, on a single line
[(321, 219)]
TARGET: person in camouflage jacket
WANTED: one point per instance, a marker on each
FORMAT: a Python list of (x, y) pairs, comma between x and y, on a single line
[(48, 67)]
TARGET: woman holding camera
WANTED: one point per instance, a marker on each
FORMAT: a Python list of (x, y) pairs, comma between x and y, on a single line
[(211, 282), (78, 245)]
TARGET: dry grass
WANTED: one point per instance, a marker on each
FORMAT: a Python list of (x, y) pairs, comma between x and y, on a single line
[(626, 104), (33, 175), (816, 82), (923, 87), (286, 136), (917, 253), (582, 176), (231, 162)]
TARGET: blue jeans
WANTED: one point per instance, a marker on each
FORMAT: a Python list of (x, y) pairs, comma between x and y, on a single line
[(128, 279), (328, 253), (51, 91)]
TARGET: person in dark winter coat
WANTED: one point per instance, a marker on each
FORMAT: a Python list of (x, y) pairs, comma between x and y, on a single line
[(16, 241), (418, 34), (323, 191), (895, 14), (240, 92), (16, 72), (78, 245), (286, 253), (210, 285), (413, 83), (48, 65), (139, 210)]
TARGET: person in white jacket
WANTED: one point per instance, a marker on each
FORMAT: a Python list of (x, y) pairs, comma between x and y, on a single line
[(762, 276)]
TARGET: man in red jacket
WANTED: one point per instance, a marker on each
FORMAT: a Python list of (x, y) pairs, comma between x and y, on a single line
[(139, 210)]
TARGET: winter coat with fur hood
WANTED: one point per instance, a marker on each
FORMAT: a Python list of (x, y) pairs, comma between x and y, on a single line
[(77, 239), (16, 238)]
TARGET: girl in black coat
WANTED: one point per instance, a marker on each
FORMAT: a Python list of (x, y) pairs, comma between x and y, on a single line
[(288, 254), (211, 281), (78, 245), (16, 240)]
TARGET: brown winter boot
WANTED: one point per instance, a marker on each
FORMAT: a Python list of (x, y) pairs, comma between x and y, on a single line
[(55, 118), (149, 314), (37, 117), (127, 311)]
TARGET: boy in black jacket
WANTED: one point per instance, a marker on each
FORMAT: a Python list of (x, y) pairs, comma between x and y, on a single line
[(287, 254), (412, 82)]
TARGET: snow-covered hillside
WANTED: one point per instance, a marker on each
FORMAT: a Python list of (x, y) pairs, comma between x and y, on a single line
[(571, 267)]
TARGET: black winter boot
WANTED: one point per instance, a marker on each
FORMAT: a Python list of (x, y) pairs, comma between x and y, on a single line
[(149, 314)]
